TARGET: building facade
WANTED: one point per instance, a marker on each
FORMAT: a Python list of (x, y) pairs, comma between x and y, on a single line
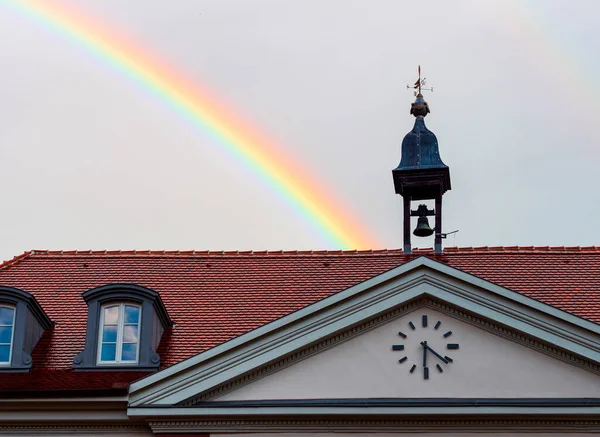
[(474, 340)]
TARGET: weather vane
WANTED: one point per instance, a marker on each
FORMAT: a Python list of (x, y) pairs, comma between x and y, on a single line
[(419, 85)]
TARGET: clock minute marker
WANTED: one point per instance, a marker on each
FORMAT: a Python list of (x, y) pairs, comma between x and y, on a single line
[(437, 325), (452, 345), (448, 358), (403, 359), (424, 319), (397, 347), (402, 334), (439, 368), (412, 326), (425, 372), (412, 369), (447, 334)]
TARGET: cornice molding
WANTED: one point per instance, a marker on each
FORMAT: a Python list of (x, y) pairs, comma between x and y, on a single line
[(379, 426), (73, 429), (511, 334), (522, 317)]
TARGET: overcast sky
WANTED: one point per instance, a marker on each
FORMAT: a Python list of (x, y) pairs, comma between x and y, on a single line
[(88, 159)]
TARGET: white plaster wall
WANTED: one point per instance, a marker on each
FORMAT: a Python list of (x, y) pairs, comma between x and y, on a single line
[(486, 365)]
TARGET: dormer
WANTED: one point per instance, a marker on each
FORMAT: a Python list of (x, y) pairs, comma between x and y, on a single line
[(22, 323), (124, 326)]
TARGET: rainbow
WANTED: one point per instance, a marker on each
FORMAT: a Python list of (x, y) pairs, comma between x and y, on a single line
[(252, 149)]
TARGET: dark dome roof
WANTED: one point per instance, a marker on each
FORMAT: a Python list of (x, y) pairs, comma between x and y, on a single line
[(420, 148)]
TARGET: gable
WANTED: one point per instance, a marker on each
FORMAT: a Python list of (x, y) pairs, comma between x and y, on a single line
[(377, 300), (485, 365)]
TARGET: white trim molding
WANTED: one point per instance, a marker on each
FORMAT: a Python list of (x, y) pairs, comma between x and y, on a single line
[(384, 425)]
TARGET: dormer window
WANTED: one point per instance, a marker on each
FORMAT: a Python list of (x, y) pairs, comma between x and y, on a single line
[(7, 323), (124, 327), (119, 333), (22, 323)]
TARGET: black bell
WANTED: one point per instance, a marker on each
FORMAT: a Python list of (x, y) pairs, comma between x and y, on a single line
[(423, 229)]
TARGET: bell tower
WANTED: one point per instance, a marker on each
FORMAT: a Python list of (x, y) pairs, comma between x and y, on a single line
[(421, 174)]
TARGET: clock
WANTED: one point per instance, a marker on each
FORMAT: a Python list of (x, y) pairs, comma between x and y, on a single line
[(425, 347)]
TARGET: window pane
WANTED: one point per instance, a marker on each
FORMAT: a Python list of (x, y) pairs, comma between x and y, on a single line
[(4, 354), (132, 314), (130, 334), (5, 334), (129, 352), (6, 316), (111, 315), (109, 352), (109, 334)]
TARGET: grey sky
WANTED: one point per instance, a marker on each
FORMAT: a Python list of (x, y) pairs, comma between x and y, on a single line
[(89, 159)]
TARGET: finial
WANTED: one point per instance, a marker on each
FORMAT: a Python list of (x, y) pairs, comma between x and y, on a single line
[(420, 108)]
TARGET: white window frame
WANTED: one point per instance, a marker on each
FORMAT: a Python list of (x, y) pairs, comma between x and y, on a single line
[(120, 330), (12, 337)]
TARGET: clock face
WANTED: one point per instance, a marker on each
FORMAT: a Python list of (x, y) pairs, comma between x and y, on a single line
[(425, 348)]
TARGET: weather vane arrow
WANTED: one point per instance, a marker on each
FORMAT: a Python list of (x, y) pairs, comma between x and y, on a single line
[(419, 85)]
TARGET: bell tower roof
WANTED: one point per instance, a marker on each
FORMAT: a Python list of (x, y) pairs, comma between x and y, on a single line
[(420, 148), (421, 174)]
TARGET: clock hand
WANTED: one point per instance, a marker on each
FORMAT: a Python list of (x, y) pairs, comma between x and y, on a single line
[(424, 344), (425, 368)]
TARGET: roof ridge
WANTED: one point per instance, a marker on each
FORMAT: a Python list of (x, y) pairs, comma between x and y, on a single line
[(526, 249), (340, 252), (15, 259), (212, 252)]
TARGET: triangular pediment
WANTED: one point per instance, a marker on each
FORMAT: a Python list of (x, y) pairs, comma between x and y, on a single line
[(505, 338), (386, 358)]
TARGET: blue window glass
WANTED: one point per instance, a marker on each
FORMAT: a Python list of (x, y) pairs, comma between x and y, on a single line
[(109, 334), (129, 352), (5, 334), (4, 353), (132, 314), (7, 320), (109, 352), (119, 334), (6, 316)]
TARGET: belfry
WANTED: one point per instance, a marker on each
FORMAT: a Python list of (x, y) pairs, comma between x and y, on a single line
[(421, 174)]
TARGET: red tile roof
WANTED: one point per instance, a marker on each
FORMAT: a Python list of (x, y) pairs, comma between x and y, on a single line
[(215, 296)]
